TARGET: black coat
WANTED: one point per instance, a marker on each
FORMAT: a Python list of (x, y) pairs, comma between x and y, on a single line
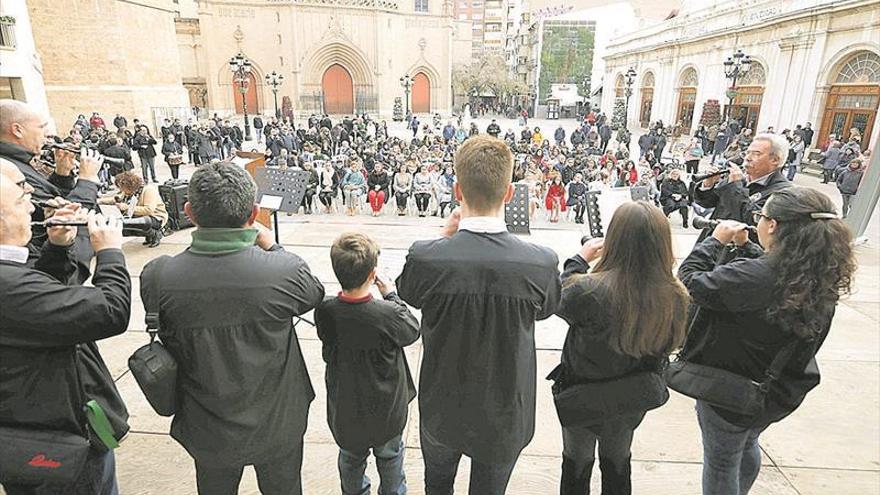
[(737, 200), (83, 192), (47, 341), (144, 145), (243, 387), (123, 161), (670, 187), (369, 384), (732, 331), (480, 295)]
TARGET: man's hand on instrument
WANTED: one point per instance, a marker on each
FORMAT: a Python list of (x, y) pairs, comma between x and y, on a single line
[(105, 232), (265, 237), (90, 162), (729, 231), (64, 162), (63, 236), (736, 174), (452, 222)]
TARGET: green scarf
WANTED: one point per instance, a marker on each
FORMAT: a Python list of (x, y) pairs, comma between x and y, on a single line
[(221, 241)]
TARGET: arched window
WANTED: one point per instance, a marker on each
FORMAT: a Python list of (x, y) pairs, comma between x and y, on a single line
[(863, 68), (648, 80), (618, 86), (689, 78)]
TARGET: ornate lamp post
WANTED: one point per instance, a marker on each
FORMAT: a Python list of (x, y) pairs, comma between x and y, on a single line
[(407, 83), (274, 80), (735, 67), (241, 71), (630, 78)]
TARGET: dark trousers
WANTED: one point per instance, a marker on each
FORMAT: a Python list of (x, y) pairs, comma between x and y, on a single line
[(692, 166), (683, 209), (422, 201), (148, 166), (441, 464), (827, 175), (327, 198), (579, 455), (175, 171), (280, 476), (98, 477)]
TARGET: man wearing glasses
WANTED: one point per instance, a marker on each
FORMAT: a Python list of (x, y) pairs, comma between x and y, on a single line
[(22, 135), (743, 193)]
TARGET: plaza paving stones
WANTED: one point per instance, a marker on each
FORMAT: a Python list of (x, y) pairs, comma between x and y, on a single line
[(831, 445)]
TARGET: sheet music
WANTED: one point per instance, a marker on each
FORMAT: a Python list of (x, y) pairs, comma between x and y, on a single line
[(110, 211)]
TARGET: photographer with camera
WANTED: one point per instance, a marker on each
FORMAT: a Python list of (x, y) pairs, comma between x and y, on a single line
[(736, 197), (50, 367), (761, 319)]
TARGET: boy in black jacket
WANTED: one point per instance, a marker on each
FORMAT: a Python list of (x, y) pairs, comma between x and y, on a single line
[(369, 385)]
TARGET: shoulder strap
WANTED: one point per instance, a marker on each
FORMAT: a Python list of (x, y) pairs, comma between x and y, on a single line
[(151, 304), (781, 361)]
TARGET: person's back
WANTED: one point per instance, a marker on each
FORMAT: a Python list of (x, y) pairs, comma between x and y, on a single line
[(369, 385), (226, 309), (480, 290)]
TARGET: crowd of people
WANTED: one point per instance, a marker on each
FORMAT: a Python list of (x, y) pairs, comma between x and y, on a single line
[(769, 274)]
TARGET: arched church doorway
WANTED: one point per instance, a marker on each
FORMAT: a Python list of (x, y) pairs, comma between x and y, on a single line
[(338, 90), (421, 94)]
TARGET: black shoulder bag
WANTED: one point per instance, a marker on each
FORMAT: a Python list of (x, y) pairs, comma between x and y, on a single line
[(598, 401), (722, 388), (153, 367)]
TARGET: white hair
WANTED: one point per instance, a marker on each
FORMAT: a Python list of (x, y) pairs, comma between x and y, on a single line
[(778, 145)]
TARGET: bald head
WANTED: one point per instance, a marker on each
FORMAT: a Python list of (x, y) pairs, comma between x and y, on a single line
[(22, 126)]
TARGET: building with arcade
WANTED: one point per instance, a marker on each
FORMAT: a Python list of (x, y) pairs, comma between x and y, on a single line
[(812, 61)]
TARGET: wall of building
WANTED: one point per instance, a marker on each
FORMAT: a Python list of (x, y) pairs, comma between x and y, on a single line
[(800, 43), (376, 43), (108, 56), (21, 63)]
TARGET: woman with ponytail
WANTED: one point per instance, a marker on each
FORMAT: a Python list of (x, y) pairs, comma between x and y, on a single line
[(773, 302)]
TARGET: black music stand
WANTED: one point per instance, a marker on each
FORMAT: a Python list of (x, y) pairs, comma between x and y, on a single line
[(594, 216), (516, 212), (280, 190)]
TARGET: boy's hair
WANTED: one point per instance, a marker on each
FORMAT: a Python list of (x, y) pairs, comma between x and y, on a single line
[(484, 166), (353, 255)]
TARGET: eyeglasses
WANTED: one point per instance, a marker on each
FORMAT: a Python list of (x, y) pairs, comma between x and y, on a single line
[(757, 216), (25, 188)]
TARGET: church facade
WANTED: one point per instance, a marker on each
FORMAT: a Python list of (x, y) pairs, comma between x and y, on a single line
[(813, 61), (339, 57)]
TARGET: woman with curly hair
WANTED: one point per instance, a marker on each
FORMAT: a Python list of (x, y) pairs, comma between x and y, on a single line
[(765, 303), (141, 200)]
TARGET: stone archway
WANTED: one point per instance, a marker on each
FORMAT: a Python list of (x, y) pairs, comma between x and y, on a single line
[(854, 99), (647, 99), (338, 89), (250, 96), (687, 98), (357, 78), (421, 94)]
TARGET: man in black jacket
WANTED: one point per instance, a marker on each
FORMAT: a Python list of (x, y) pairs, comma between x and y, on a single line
[(50, 366), (736, 198), (480, 290), (22, 133), (145, 144), (227, 305)]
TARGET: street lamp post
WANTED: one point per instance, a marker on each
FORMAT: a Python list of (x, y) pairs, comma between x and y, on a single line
[(274, 80), (241, 71), (735, 67), (407, 83), (630, 79)]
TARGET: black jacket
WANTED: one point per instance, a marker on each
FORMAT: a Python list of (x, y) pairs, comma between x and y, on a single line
[(78, 191), (144, 145), (480, 295), (226, 317), (119, 153), (737, 200), (670, 187), (376, 179), (49, 363), (369, 384), (732, 331), (171, 148)]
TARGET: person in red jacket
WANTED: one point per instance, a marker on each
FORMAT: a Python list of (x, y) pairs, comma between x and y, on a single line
[(96, 122), (555, 200)]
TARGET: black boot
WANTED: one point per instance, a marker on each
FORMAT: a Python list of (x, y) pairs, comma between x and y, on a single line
[(575, 481), (616, 477), (148, 238), (157, 238)]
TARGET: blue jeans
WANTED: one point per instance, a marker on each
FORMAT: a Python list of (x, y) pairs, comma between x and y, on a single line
[(98, 477), (731, 455), (441, 464), (791, 171), (389, 463)]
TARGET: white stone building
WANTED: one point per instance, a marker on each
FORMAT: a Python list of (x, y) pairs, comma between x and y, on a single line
[(814, 61), (21, 72)]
